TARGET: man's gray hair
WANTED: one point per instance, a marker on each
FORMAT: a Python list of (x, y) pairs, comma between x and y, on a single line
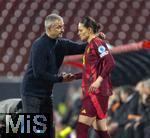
[(50, 19)]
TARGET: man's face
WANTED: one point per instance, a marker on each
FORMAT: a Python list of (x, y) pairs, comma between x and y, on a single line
[(83, 32), (124, 97), (57, 29)]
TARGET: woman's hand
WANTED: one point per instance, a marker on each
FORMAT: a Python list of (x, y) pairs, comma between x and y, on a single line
[(96, 84)]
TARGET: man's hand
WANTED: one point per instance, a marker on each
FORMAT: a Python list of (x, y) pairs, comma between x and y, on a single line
[(68, 77)]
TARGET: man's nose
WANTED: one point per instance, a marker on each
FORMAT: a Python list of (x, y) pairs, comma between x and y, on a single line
[(62, 29)]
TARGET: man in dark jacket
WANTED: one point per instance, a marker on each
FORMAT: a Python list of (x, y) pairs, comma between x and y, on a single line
[(46, 56)]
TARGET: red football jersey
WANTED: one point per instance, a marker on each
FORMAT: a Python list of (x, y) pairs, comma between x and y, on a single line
[(97, 61)]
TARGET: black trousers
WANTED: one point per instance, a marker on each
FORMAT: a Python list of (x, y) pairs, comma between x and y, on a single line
[(43, 105)]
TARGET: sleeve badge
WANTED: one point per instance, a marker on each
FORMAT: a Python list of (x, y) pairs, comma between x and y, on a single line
[(102, 51)]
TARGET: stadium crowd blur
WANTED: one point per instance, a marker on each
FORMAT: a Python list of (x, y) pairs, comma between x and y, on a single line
[(128, 114)]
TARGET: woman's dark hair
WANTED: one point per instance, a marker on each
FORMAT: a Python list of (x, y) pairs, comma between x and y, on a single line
[(90, 22)]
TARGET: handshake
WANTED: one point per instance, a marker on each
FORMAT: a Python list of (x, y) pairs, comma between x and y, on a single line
[(67, 77)]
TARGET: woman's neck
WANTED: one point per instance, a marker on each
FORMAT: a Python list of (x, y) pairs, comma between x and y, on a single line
[(91, 37)]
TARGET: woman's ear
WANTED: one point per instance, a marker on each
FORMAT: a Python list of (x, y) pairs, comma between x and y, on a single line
[(90, 30)]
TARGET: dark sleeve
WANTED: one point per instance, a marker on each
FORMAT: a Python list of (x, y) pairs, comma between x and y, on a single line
[(133, 106), (39, 64), (73, 48), (121, 116)]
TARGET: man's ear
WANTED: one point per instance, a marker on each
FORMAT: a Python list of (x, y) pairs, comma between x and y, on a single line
[(49, 28)]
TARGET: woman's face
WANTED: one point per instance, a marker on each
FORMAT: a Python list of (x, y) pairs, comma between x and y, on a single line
[(83, 32)]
